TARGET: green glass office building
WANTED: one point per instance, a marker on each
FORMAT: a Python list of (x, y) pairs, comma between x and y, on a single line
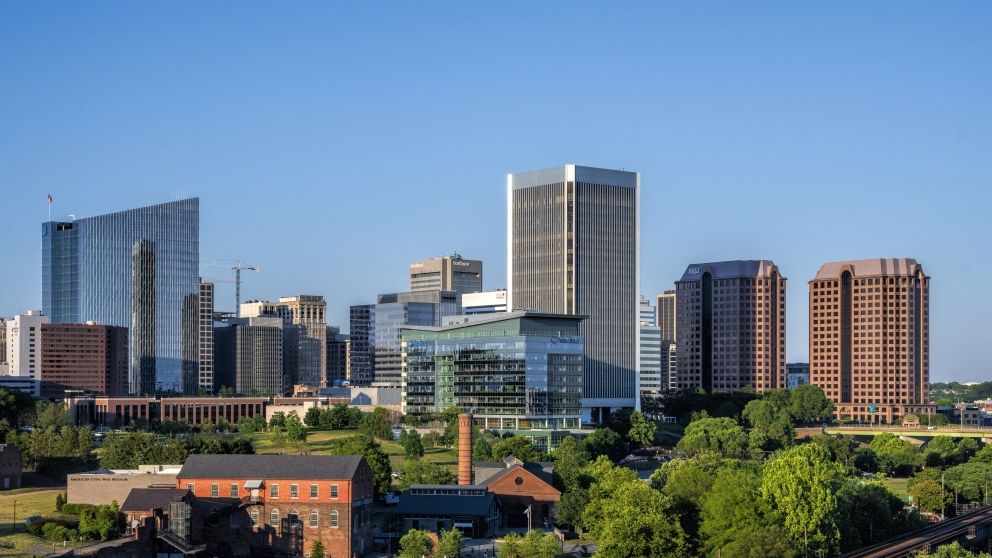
[(516, 371)]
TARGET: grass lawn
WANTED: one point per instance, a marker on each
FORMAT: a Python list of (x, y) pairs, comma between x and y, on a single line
[(30, 501), (320, 442), (898, 487)]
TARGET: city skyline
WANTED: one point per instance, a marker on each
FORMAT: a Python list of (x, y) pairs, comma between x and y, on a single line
[(877, 143)]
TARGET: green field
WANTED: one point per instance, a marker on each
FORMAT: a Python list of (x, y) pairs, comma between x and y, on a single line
[(898, 487), (29, 501), (321, 441)]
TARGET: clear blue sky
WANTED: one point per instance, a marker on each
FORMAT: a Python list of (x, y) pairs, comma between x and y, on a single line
[(331, 143)]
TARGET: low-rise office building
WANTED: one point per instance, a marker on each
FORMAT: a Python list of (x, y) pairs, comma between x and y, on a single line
[(103, 486)]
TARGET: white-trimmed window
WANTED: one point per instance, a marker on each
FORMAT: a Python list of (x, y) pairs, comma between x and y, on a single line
[(273, 491), (334, 491), (214, 490), (274, 519), (334, 519), (294, 491), (254, 516), (314, 491), (314, 518)]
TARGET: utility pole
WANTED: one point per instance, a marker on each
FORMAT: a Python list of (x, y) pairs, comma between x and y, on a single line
[(942, 503)]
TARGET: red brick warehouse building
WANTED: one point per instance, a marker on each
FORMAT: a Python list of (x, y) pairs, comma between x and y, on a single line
[(284, 503)]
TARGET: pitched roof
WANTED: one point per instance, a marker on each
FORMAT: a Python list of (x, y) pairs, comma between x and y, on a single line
[(445, 504), (261, 467), (144, 499), (486, 472)]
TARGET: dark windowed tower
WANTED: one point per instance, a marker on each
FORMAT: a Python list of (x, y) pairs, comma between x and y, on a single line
[(572, 248), (731, 326)]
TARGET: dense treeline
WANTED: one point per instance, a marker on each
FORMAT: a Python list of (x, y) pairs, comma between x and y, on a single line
[(127, 450), (954, 392)]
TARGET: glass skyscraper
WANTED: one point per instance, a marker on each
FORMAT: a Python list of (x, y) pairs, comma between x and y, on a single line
[(138, 269), (572, 248)]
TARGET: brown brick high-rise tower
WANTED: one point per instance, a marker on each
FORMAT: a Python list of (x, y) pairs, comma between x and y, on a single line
[(869, 338)]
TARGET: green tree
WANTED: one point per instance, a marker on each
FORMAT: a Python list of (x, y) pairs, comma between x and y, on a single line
[(312, 419), (49, 413), (225, 391), (413, 446), (928, 494), (59, 501), (295, 431), (482, 450), (721, 435), (800, 485), (415, 544), (771, 426), (868, 512), (378, 460), (520, 447), (418, 471), (809, 404), (734, 516), (535, 544), (939, 451), (842, 449), (967, 448), (637, 523), (569, 460), (895, 456), (317, 550), (641, 430), (970, 480), (278, 420), (571, 507), (450, 544), (953, 550), (604, 441), (377, 424)]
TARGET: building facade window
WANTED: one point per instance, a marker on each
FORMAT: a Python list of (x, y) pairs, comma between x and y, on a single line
[(254, 516), (334, 519), (314, 491), (273, 491), (214, 490), (274, 519), (294, 491), (191, 487), (234, 490), (314, 518), (334, 491)]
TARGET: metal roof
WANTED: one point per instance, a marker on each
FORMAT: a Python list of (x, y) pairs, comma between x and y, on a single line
[(261, 467)]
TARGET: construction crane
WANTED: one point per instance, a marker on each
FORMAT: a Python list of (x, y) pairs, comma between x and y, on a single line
[(237, 266)]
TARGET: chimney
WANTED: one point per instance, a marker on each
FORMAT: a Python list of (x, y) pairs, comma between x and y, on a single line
[(465, 449)]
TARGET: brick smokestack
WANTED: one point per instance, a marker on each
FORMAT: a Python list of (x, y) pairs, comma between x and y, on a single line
[(465, 449)]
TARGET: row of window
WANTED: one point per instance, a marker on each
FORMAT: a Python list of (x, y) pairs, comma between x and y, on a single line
[(313, 519), (294, 490)]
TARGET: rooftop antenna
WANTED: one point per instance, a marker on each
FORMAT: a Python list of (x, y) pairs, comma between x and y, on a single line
[(49, 207)]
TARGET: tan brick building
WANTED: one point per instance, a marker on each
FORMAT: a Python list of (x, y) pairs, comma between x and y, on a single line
[(869, 338)]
